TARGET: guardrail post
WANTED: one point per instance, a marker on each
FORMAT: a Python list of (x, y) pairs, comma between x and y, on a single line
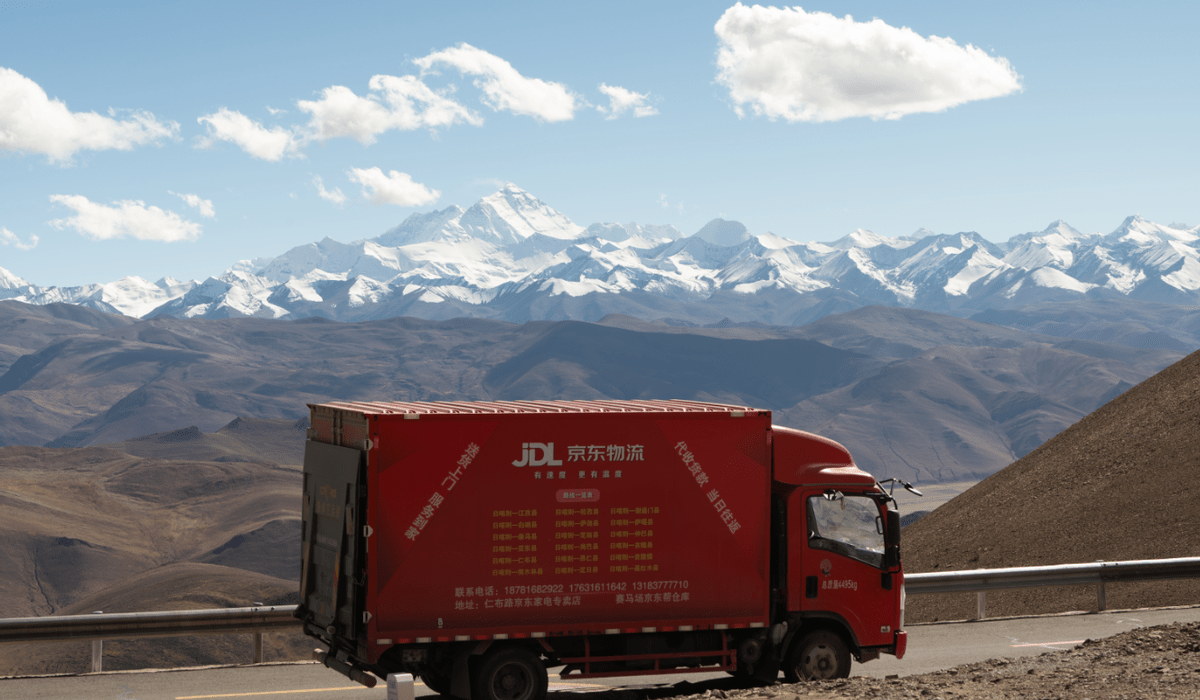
[(1101, 603), (97, 650), (258, 647), (980, 605)]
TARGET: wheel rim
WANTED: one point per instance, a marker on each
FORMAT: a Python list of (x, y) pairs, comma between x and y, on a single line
[(512, 682), (820, 662)]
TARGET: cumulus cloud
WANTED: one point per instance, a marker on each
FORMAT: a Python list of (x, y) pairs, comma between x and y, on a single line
[(812, 66), (335, 196), (503, 87), (205, 206), (621, 100), (32, 122), (253, 138), (9, 238), (403, 103), (406, 103), (393, 188), (125, 219)]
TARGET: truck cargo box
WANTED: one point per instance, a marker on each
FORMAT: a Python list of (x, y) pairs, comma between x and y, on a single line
[(526, 519)]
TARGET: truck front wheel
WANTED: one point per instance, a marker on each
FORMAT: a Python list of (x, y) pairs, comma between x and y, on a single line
[(509, 673), (818, 655)]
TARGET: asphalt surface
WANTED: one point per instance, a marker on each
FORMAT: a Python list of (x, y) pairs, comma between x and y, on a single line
[(931, 647)]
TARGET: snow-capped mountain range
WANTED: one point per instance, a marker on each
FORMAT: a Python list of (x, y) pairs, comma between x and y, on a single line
[(512, 257)]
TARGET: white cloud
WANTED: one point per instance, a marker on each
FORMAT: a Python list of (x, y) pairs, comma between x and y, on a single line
[(32, 122), (393, 188), (127, 219), (275, 112), (812, 66), (503, 87), (335, 196), (193, 200), (9, 238), (403, 103), (254, 138), (621, 100)]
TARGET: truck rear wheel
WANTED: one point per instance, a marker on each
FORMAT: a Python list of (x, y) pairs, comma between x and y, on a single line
[(818, 655), (509, 673)]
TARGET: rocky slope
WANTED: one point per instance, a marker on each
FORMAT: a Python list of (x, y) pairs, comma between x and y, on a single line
[(1119, 484)]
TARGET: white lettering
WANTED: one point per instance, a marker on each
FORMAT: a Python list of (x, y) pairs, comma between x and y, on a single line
[(530, 455)]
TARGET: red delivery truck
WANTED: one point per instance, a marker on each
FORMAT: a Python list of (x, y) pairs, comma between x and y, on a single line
[(478, 544)]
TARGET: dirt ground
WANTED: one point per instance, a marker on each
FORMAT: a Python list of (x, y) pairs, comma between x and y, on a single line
[(1149, 662)]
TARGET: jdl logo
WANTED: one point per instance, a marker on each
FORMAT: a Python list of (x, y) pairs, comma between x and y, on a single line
[(531, 458)]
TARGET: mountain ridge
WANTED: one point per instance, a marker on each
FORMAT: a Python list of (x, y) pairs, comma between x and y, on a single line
[(512, 257), (912, 393)]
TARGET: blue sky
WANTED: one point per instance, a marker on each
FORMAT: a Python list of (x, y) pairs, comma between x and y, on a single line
[(1079, 111)]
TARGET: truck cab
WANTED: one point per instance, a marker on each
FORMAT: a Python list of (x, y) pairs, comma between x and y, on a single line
[(840, 573)]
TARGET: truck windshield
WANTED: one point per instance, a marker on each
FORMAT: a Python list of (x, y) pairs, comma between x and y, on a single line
[(849, 525)]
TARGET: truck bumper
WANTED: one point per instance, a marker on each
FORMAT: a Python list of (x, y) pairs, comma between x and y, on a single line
[(901, 644)]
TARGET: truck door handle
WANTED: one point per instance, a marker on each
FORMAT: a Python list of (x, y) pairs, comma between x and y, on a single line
[(810, 587)]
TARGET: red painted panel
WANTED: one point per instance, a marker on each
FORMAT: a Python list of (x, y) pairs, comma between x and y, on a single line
[(566, 517)]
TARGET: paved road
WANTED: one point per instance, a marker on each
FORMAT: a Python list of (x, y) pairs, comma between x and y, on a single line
[(931, 647)]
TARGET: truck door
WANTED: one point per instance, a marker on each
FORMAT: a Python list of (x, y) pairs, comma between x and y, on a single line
[(329, 553), (842, 564)]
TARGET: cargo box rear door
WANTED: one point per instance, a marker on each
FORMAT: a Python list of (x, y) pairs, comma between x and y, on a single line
[(332, 516)]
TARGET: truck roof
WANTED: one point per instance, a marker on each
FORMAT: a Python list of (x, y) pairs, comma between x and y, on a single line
[(372, 408)]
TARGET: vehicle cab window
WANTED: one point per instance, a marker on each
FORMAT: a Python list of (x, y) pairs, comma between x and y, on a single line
[(847, 525)]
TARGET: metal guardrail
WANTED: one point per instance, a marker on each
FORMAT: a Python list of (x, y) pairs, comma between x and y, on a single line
[(173, 623), (258, 620), (980, 581)]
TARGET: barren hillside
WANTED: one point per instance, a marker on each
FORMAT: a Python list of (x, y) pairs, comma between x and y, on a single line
[(1123, 483), (75, 521)]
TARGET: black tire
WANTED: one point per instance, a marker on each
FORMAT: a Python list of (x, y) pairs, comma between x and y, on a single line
[(509, 673), (818, 655), (436, 682)]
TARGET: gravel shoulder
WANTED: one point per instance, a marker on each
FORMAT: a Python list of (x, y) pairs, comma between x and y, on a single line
[(1149, 662)]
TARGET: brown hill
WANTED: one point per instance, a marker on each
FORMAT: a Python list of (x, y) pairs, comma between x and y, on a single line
[(179, 586), (242, 440), (1120, 484), (75, 521)]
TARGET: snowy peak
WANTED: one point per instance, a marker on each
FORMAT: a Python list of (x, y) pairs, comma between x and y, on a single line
[(1137, 231), (722, 232), (10, 281), (862, 238), (511, 256), (632, 234), (1061, 229), (512, 215), (422, 227)]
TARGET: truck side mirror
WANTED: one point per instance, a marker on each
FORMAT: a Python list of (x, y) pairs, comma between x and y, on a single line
[(891, 540), (892, 536)]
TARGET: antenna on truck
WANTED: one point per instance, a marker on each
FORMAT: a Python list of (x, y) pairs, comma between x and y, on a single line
[(893, 481)]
